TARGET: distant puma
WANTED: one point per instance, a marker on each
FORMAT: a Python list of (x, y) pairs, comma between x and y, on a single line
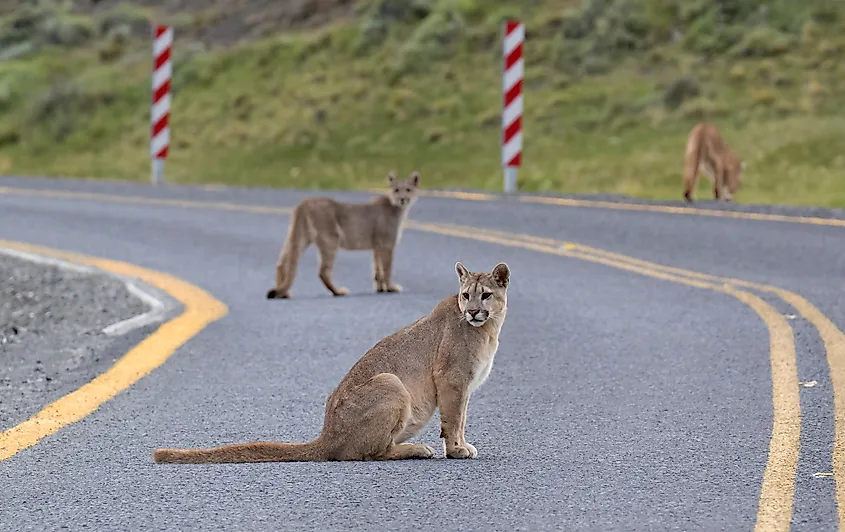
[(706, 152), (333, 224), (389, 395)]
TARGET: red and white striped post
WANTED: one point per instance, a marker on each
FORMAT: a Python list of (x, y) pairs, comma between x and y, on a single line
[(512, 113), (160, 112)]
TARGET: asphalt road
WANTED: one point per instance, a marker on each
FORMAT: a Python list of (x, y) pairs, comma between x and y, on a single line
[(617, 401)]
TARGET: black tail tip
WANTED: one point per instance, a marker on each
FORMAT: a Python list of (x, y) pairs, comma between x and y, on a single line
[(687, 197), (271, 294)]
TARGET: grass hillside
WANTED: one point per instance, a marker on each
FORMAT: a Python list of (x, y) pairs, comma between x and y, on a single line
[(335, 93)]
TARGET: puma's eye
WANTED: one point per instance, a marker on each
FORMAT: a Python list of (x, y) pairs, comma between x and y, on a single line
[(486, 295), (466, 295)]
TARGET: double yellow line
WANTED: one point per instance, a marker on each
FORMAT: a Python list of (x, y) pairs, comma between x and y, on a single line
[(778, 483), (636, 207), (777, 490)]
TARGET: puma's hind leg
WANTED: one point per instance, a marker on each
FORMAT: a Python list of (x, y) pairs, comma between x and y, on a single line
[(690, 180), (717, 174), (375, 417), (408, 451), (327, 248), (692, 167)]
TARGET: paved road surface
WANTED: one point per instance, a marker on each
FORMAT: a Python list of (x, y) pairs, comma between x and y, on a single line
[(617, 401)]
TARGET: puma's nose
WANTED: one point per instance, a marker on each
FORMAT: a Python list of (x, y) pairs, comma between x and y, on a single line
[(474, 312)]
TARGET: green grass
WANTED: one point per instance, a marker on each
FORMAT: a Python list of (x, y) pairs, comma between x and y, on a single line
[(341, 106)]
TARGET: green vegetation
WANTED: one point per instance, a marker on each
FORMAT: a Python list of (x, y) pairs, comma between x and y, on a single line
[(612, 88)]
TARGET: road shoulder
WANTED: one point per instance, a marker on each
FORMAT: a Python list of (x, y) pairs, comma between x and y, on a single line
[(62, 324)]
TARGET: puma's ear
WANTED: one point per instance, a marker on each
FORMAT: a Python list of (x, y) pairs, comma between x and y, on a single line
[(415, 179), (502, 274), (391, 178), (462, 271)]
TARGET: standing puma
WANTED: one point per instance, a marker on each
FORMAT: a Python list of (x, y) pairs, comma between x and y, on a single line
[(706, 152), (389, 395), (332, 224)]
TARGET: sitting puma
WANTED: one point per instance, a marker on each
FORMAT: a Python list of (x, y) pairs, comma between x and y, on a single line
[(389, 395), (332, 224)]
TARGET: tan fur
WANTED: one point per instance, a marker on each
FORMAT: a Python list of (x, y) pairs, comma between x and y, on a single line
[(331, 224), (706, 152), (389, 395)]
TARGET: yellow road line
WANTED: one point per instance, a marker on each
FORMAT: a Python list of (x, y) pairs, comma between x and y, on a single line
[(200, 310), (834, 344), (777, 490), (469, 196), (832, 337), (620, 206), (140, 200)]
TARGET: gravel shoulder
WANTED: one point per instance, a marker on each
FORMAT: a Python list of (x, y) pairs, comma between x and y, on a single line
[(51, 339)]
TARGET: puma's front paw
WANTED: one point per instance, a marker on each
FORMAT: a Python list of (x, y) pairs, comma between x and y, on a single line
[(341, 291), (394, 288), (462, 451)]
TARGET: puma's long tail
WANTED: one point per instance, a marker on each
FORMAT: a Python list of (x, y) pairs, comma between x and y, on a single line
[(296, 241), (244, 452)]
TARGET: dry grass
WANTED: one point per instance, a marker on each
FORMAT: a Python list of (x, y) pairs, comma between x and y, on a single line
[(311, 110)]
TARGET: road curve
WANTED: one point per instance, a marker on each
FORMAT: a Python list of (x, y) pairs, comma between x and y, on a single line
[(622, 397)]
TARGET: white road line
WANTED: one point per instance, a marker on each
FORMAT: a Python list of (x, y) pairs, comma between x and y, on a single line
[(158, 308), (38, 259), (156, 313)]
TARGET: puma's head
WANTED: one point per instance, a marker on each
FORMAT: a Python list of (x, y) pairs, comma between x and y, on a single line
[(403, 192), (734, 176), (483, 295)]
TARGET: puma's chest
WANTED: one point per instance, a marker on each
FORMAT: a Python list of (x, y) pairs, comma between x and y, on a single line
[(398, 236), (707, 169), (484, 365), (388, 230)]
